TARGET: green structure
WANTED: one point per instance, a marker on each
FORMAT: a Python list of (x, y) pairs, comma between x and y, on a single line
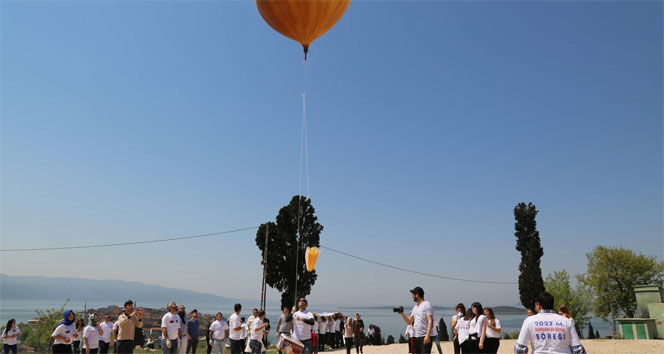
[(649, 302)]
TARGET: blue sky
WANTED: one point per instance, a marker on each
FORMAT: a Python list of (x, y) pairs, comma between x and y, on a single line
[(428, 122)]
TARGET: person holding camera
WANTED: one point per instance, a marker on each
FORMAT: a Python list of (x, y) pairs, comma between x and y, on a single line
[(303, 321), (421, 319)]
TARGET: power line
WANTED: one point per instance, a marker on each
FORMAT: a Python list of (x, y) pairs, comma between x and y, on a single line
[(128, 243), (416, 272), (245, 229)]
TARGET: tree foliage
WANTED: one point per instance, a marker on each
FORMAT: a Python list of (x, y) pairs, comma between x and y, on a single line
[(284, 251), (591, 332), (402, 339), (442, 331), (578, 300), (378, 336), (612, 274), (39, 336), (528, 243), (390, 339)]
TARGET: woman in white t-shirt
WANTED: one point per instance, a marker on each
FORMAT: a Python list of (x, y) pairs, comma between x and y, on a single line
[(78, 335), (460, 312), (348, 334), (10, 337), (493, 329), (91, 335), (477, 328), (461, 330), (64, 333)]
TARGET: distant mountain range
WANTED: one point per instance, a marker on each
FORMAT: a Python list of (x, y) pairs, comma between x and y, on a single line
[(110, 291)]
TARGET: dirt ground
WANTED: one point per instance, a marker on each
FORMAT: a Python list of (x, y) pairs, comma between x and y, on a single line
[(594, 346)]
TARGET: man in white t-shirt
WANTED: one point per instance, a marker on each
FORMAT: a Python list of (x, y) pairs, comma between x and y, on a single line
[(257, 332), (171, 331), (235, 330), (218, 334), (548, 332), (421, 319), (303, 321), (105, 339)]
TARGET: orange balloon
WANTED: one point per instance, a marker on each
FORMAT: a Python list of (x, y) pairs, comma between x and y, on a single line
[(302, 20)]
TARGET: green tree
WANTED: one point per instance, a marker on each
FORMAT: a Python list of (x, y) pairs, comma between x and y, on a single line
[(442, 331), (286, 250), (390, 339), (378, 336), (578, 300), (40, 335), (591, 332), (528, 243), (612, 274), (597, 334), (402, 339)]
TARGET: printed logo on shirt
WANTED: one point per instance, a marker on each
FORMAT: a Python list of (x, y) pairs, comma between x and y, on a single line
[(549, 330)]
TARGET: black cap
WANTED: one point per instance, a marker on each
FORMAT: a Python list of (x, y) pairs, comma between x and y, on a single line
[(419, 291)]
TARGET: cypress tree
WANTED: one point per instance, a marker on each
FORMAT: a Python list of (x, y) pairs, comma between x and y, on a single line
[(597, 335), (591, 333), (528, 243), (442, 331)]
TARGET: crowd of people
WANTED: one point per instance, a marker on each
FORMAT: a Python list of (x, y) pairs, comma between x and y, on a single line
[(476, 330)]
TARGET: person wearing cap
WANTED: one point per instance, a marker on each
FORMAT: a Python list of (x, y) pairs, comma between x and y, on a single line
[(421, 319), (128, 321)]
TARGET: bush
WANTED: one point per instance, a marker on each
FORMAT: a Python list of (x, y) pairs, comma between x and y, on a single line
[(377, 337), (511, 335), (402, 339), (442, 331), (390, 339)]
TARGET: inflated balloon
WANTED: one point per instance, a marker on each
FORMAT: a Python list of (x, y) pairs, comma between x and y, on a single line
[(302, 20), (311, 257)]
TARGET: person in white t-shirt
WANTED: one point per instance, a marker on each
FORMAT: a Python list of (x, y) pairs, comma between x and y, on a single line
[(171, 330), (493, 329), (257, 332), (460, 312), (64, 333), (105, 340), (548, 332), (421, 319), (322, 333), (235, 330), (10, 337), (218, 334), (303, 321), (78, 335), (91, 335), (461, 331), (477, 328)]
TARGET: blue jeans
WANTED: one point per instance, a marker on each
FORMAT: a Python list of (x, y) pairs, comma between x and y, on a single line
[(307, 347), (6, 348), (256, 346), (437, 340), (174, 346)]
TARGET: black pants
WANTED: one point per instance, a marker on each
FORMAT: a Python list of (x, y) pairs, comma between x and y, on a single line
[(103, 347), (475, 346), (6, 348), (236, 346), (491, 345), (466, 347), (419, 347), (321, 341), (359, 343), (192, 344), (77, 346), (124, 347), (62, 348), (457, 347), (92, 351), (349, 344)]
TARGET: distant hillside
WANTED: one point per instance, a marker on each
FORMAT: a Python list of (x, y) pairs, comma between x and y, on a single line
[(110, 291)]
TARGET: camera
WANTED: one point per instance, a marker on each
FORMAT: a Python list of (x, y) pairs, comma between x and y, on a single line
[(398, 309)]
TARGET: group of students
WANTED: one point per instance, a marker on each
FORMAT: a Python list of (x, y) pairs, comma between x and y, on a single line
[(476, 330), (72, 336)]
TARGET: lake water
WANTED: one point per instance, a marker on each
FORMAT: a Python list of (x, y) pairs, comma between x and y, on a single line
[(389, 322)]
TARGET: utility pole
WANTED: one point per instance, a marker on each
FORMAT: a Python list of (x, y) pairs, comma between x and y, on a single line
[(264, 263)]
